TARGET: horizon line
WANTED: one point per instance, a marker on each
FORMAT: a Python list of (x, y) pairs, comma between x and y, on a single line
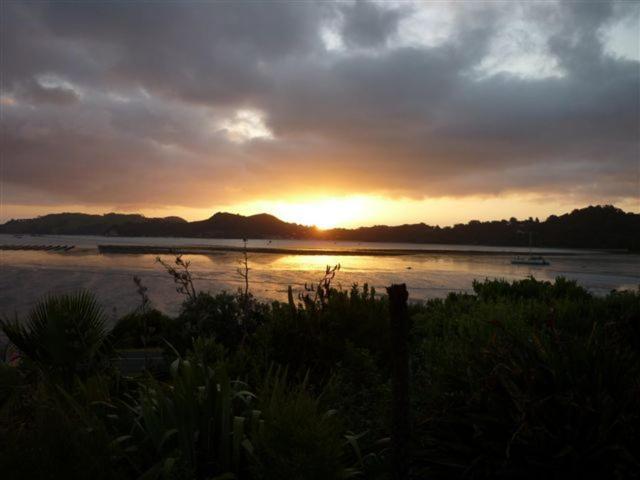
[(316, 226)]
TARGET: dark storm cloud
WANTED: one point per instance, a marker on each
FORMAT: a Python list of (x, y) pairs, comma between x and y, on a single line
[(112, 103), (366, 25)]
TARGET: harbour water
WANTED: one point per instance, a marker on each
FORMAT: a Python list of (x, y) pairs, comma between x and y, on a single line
[(429, 270)]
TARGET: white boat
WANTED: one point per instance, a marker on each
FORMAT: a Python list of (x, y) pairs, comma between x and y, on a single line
[(529, 261)]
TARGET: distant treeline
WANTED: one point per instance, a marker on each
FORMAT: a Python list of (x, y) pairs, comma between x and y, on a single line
[(591, 227)]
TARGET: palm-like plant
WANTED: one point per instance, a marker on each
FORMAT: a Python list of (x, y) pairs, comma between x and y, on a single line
[(63, 335)]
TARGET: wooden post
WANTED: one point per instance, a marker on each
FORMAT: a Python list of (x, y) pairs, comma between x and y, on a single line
[(400, 429)]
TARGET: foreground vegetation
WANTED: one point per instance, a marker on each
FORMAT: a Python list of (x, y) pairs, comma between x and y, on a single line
[(517, 380)]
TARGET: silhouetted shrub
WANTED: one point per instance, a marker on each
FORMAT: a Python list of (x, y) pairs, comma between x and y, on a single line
[(139, 330), (526, 382), (225, 317), (314, 337)]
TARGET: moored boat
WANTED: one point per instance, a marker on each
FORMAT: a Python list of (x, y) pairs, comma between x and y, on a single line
[(531, 260)]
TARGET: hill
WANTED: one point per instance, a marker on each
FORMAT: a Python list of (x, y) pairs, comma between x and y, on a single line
[(229, 225), (590, 227), (85, 224)]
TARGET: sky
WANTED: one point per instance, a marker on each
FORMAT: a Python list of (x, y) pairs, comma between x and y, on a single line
[(327, 113)]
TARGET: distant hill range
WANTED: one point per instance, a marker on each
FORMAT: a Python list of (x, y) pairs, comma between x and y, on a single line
[(592, 227)]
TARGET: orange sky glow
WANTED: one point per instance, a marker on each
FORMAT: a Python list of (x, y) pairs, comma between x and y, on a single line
[(350, 211)]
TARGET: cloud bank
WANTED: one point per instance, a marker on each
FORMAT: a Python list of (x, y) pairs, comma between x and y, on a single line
[(194, 104)]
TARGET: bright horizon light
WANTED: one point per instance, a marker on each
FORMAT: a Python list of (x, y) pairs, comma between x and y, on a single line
[(350, 211), (322, 213)]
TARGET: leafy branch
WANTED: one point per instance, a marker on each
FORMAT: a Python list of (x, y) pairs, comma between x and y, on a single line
[(181, 276)]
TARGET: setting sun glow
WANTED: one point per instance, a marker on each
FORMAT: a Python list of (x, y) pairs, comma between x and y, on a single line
[(324, 213)]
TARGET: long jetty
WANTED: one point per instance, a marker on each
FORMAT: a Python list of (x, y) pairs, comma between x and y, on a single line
[(206, 249)]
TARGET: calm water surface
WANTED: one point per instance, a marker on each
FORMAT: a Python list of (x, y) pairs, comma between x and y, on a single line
[(25, 276)]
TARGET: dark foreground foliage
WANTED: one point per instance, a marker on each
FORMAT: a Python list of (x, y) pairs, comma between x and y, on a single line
[(526, 379)]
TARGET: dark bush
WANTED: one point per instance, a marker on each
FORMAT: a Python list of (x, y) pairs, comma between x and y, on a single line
[(142, 329), (225, 317), (528, 382)]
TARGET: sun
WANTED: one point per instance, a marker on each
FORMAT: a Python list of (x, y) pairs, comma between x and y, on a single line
[(323, 213)]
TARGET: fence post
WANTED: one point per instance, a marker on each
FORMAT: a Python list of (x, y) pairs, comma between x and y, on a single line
[(400, 430)]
